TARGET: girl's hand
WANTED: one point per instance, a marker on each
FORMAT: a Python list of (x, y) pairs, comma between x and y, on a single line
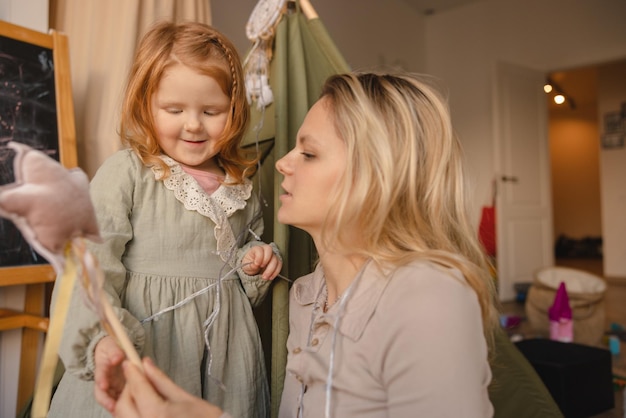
[(108, 376), (262, 258), (154, 395)]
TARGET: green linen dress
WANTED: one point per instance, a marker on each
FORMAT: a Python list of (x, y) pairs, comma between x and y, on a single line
[(162, 242)]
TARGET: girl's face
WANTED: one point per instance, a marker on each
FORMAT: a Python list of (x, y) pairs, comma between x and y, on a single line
[(190, 112), (311, 170)]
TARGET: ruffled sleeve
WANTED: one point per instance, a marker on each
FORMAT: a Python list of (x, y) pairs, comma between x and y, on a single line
[(255, 287)]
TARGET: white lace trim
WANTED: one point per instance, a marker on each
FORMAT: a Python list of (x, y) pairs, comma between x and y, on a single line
[(225, 201)]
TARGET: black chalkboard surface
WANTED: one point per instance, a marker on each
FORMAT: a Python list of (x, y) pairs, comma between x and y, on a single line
[(27, 115), (36, 109)]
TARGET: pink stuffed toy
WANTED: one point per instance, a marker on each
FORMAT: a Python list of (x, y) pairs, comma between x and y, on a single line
[(48, 203)]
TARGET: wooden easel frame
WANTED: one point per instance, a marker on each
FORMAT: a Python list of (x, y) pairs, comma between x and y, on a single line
[(33, 319)]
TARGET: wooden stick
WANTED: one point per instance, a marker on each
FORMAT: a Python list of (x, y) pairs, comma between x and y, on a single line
[(92, 275), (111, 322), (49, 359), (119, 333), (308, 9)]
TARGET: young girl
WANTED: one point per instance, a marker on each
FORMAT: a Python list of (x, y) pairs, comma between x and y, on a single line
[(396, 320), (178, 217)]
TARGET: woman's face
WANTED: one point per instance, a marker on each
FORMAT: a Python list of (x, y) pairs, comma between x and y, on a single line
[(311, 171)]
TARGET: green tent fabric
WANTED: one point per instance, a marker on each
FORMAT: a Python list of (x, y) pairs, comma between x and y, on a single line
[(516, 389), (304, 55)]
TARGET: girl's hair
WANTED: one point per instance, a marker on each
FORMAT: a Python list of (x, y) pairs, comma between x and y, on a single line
[(204, 49), (404, 186)]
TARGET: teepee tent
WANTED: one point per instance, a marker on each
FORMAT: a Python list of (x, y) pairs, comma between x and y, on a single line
[(301, 55)]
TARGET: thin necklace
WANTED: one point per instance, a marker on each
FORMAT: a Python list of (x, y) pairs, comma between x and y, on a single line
[(327, 306)]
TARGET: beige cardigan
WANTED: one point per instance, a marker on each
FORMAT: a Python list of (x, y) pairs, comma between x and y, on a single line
[(410, 344)]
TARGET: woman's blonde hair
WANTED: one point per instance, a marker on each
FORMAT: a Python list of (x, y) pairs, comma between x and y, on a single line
[(404, 186), (206, 50)]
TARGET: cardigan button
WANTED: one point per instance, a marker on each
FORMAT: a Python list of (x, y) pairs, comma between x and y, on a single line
[(297, 350), (315, 342)]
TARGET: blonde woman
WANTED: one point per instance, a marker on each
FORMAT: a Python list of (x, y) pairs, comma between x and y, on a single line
[(397, 318)]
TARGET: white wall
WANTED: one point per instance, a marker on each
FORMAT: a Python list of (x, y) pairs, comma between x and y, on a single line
[(611, 96), (464, 44), (369, 33), (32, 14)]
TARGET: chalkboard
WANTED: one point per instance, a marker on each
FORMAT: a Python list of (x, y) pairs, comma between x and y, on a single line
[(36, 109)]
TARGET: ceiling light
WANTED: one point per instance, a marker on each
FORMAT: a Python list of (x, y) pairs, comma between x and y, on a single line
[(559, 95)]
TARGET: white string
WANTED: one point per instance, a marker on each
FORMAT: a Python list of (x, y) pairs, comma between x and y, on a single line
[(316, 307), (258, 238), (337, 322), (208, 323), (257, 132), (338, 317), (188, 299)]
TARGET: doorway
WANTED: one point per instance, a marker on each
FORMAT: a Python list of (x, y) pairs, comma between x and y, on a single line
[(574, 131)]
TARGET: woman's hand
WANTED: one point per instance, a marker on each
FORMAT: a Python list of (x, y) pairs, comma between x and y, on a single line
[(261, 258), (109, 376), (154, 395)]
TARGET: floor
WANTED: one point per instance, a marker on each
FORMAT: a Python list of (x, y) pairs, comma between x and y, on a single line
[(615, 303)]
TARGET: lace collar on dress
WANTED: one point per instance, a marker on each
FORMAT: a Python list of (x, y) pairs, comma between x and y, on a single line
[(218, 206)]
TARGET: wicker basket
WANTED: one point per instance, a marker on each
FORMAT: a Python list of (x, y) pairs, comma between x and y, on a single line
[(586, 297)]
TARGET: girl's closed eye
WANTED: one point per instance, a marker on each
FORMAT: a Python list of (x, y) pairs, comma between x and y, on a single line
[(307, 155)]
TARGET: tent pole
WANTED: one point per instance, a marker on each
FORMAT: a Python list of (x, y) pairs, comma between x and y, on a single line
[(308, 9)]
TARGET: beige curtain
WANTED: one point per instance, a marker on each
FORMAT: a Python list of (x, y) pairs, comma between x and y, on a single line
[(102, 38)]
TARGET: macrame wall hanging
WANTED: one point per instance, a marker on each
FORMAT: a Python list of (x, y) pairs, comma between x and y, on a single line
[(260, 29)]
